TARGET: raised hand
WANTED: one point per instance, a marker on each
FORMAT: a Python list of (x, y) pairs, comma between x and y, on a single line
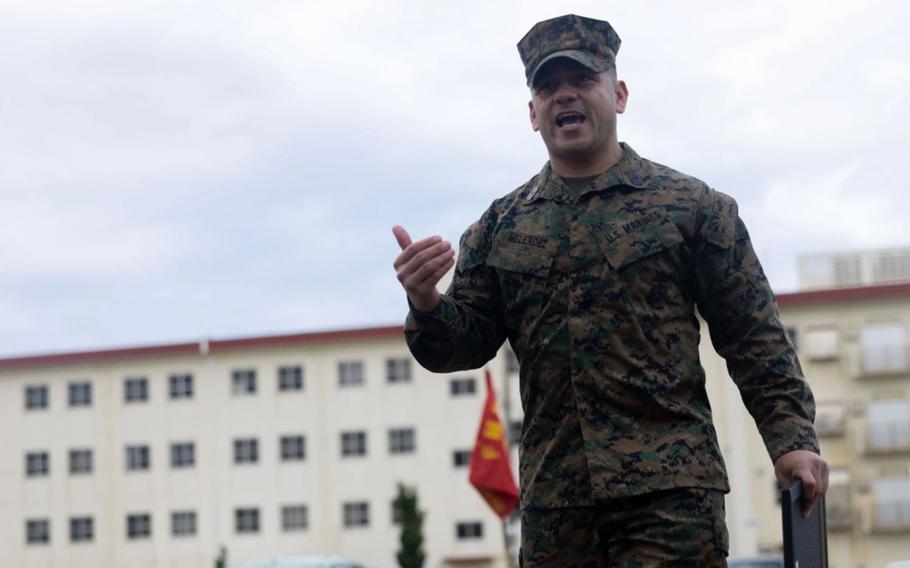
[(421, 265)]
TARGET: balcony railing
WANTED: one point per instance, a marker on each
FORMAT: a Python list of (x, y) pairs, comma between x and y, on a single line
[(890, 516), (837, 507), (888, 437), (885, 360)]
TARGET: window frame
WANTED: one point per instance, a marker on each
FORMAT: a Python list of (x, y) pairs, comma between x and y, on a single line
[(138, 457), (402, 441), (298, 512), (79, 394), (31, 392), (246, 451), (38, 463), (180, 518), (354, 443), (180, 386), (37, 531), (243, 382), (290, 378), (247, 520), (355, 514), (138, 526), (347, 377), (81, 461)]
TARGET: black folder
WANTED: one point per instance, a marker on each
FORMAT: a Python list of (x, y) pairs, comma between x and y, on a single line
[(805, 540)]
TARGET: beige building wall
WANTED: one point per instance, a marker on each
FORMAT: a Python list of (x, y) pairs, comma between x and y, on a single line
[(215, 486), (853, 347), (849, 341)]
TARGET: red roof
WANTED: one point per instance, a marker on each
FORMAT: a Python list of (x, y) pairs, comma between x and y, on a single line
[(210, 346), (795, 299), (845, 295)]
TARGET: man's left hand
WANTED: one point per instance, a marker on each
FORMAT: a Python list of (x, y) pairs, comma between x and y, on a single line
[(810, 468)]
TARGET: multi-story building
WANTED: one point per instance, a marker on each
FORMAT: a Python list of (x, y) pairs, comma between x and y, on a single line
[(157, 456), (853, 345)]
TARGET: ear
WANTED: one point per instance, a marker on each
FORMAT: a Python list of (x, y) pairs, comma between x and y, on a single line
[(534, 124), (622, 96)]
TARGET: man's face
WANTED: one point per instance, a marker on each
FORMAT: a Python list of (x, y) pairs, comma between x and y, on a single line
[(575, 109)]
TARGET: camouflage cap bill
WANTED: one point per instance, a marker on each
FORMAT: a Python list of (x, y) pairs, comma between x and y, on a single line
[(593, 43)]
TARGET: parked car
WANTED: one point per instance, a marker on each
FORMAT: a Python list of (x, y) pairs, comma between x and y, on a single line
[(767, 561), (298, 562)]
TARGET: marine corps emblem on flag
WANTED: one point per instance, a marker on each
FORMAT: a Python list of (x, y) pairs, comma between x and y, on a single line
[(491, 469)]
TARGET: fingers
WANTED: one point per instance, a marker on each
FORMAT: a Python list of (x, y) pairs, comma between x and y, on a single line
[(422, 266), (811, 495), (402, 236)]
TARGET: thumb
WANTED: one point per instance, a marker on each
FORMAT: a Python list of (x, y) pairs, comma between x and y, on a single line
[(402, 236)]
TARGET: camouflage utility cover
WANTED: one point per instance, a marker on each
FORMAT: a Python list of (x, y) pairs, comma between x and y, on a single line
[(593, 43), (596, 291)]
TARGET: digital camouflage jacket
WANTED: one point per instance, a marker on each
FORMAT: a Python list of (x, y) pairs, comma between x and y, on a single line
[(596, 291)]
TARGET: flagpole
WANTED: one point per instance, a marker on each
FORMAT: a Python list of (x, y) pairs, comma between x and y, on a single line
[(507, 413)]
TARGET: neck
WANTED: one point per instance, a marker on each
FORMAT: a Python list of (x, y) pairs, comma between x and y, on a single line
[(571, 167)]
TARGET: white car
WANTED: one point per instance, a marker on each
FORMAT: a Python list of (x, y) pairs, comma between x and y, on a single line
[(757, 562), (298, 562)]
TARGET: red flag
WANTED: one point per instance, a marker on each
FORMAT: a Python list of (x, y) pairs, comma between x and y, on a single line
[(491, 469)]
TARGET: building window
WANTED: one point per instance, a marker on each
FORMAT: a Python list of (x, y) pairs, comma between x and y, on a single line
[(183, 454), (36, 397), (793, 335), (137, 458), (512, 365), (353, 444), (243, 382), (356, 514), (350, 373), (180, 385), (889, 425), (892, 503), (884, 348), (461, 458), (37, 531), (295, 517), (462, 387), (830, 418), (82, 529), (246, 450), (402, 441), (398, 370), (183, 523), (80, 394), (135, 389), (396, 512), (469, 530), (246, 520), (290, 378), (514, 432), (138, 526), (821, 344), (37, 464), (837, 500), (293, 448), (81, 462)]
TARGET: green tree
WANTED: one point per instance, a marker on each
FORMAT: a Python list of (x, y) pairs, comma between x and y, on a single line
[(221, 561), (410, 552)]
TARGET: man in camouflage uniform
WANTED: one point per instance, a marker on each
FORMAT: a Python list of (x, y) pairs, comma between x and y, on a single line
[(593, 270)]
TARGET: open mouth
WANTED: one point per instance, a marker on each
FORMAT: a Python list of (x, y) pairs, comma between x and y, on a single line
[(569, 118)]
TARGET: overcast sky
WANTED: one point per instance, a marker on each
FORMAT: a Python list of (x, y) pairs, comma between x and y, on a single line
[(177, 170)]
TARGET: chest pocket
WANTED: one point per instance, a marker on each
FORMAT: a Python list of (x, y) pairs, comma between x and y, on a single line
[(523, 263), (644, 255), (523, 253)]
